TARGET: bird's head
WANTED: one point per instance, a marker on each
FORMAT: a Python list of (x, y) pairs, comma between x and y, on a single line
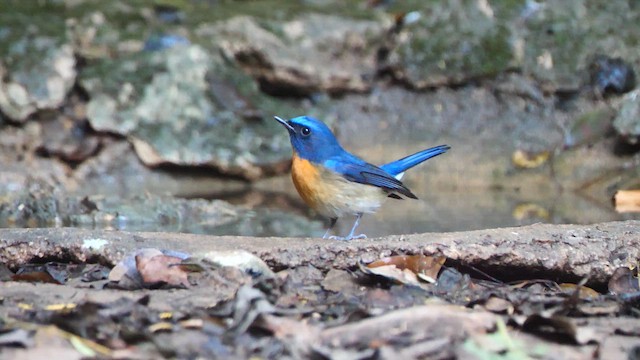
[(311, 138)]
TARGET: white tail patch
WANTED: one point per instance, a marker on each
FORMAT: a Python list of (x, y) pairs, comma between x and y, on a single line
[(399, 176)]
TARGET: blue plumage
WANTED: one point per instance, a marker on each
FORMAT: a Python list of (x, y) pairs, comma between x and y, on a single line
[(399, 166), (336, 182), (355, 169)]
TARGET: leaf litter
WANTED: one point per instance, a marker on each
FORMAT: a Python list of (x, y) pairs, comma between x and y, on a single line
[(159, 303)]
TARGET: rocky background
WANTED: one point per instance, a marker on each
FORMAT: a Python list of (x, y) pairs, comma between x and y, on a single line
[(156, 117), (125, 114)]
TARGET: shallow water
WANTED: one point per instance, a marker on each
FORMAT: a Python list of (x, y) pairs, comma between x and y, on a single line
[(455, 194), (444, 211), (273, 208)]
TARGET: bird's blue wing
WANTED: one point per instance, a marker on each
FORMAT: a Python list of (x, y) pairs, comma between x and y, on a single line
[(355, 169)]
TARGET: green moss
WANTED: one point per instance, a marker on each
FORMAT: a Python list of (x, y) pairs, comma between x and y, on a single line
[(109, 75), (270, 10), (28, 17), (457, 44), (573, 32), (498, 50)]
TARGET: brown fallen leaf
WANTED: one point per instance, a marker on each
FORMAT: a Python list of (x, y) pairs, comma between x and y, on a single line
[(449, 321), (126, 268), (46, 273), (627, 201), (604, 308), (583, 291), (407, 268), (126, 274), (392, 273), (161, 270), (35, 276)]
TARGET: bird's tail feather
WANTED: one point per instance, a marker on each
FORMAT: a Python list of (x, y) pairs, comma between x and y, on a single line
[(396, 168)]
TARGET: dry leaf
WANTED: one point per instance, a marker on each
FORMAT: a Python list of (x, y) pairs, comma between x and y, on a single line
[(391, 272), (128, 275), (160, 326), (526, 160), (192, 323), (60, 307), (35, 276), (583, 292), (161, 269), (47, 273), (530, 210), (627, 201), (407, 268)]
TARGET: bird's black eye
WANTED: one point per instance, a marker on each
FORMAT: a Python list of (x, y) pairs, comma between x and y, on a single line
[(305, 131)]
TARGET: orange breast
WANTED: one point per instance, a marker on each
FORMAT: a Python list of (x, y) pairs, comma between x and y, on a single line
[(331, 194), (306, 178)]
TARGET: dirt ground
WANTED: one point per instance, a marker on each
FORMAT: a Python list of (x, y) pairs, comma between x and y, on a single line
[(540, 291)]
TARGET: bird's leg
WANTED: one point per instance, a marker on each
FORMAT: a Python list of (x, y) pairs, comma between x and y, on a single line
[(331, 225), (353, 229)]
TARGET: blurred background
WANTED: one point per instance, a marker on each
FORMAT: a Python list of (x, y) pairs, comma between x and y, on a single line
[(149, 115)]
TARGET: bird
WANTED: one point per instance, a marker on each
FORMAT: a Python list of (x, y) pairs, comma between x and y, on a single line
[(335, 183)]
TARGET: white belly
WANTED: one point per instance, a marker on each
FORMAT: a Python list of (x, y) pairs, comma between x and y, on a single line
[(351, 198)]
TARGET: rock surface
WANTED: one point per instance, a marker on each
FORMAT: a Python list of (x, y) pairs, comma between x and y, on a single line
[(308, 54), (627, 121), (571, 252), (30, 87)]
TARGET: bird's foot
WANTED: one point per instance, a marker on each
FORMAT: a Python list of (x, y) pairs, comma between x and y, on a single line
[(347, 238)]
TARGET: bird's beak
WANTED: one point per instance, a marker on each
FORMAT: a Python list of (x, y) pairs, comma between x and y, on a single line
[(284, 123)]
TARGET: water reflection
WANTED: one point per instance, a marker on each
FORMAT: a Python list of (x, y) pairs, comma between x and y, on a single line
[(474, 210), (263, 213)]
